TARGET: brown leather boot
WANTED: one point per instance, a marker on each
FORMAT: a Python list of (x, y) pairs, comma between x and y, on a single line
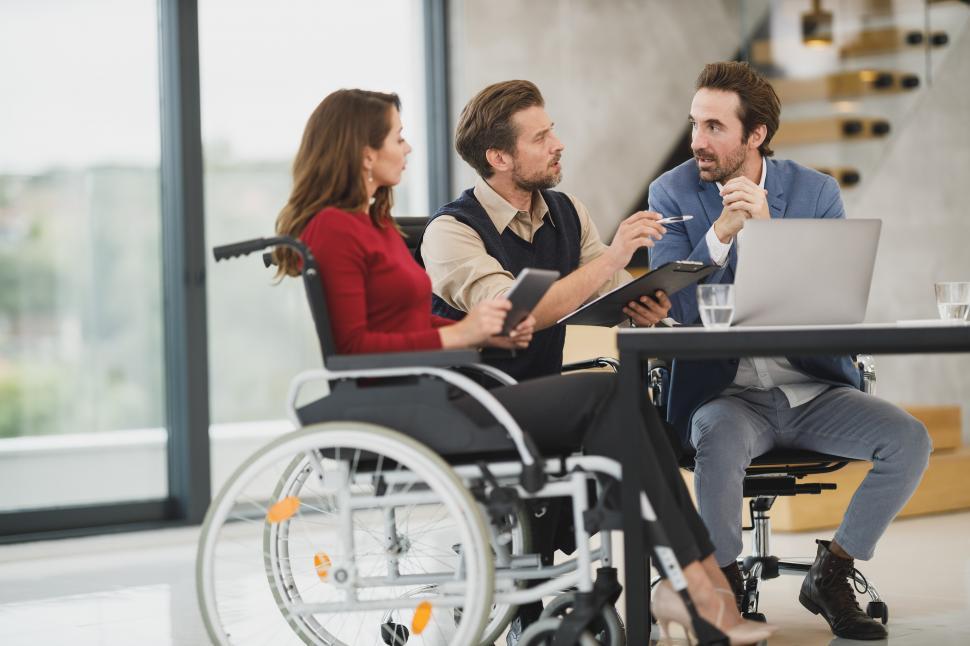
[(733, 574), (826, 590)]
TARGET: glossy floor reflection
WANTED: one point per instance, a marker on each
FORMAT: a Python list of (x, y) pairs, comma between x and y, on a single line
[(139, 589)]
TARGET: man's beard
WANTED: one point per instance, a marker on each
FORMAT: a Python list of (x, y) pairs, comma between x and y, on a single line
[(730, 167), (537, 182)]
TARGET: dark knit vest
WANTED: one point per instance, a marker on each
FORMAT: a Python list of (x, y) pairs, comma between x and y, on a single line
[(555, 247)]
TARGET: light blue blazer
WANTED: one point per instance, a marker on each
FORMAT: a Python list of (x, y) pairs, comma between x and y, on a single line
[(794, 191)]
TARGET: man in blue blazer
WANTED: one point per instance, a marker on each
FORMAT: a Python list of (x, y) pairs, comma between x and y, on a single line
[(729, 412)]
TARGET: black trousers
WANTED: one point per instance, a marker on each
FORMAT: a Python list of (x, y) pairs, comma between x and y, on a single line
[(564, 413)]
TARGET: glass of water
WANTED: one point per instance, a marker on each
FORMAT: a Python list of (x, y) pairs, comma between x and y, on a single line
[(716, 304), (953, 301)]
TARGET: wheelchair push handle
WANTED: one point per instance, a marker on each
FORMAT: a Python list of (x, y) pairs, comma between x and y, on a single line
[(246, 247)]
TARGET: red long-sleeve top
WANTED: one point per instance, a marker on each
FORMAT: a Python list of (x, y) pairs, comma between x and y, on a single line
[(378, 297)]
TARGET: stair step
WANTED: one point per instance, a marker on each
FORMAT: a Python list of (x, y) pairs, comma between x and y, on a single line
[(846, 176), (845, 85), (833, 128), (943, 423), (942, 489)]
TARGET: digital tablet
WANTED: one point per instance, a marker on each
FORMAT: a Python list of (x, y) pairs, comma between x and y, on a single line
[(607, 310), (529, 287)]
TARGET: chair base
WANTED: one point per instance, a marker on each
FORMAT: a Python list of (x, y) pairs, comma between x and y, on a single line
[(762, 566)]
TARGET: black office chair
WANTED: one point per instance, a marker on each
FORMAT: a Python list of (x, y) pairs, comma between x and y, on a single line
[(413, 229), (777, 473)]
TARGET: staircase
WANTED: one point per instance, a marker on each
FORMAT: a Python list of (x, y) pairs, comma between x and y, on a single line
[(849, 74)]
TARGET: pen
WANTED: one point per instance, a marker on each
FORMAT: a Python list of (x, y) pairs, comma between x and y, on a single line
[(675, 218)]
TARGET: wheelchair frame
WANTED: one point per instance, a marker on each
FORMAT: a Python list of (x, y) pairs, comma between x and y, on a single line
[(521, 475)]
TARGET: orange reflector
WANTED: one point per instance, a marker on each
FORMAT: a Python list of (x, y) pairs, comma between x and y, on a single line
[(283, 510), (322, 564), (422, 615)]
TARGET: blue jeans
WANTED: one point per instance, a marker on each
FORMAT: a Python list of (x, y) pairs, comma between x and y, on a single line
[(729, 431)]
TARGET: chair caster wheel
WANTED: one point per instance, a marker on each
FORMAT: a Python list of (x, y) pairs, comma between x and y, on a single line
[(878, 610), (394, 634), (755, 616)]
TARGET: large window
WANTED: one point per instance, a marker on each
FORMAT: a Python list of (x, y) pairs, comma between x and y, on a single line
[(106, 382), (264, 68), (81, 363)]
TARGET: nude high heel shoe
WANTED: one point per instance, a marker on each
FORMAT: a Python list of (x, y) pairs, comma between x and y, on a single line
[(732, 599), (668, 607)]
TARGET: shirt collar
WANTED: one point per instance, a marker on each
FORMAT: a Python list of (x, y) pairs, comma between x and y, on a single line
[(499, 211), (764, 174)]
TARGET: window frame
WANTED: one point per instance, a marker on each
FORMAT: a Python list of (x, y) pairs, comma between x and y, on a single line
[(184, 281)]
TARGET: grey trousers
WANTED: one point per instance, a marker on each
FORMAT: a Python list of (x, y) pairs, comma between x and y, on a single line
[(729, 431)]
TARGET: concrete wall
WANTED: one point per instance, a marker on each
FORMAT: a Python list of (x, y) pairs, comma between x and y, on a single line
[(617, 76), (920, 191)]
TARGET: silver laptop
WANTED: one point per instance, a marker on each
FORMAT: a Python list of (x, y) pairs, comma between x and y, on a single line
[(804, 271)]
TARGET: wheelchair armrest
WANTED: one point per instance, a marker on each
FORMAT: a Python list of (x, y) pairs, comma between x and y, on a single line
[(597, 362), (490, 372), (434, 359)]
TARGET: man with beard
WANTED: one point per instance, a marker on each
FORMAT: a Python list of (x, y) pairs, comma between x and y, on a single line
[(731, 411), (475, 246)]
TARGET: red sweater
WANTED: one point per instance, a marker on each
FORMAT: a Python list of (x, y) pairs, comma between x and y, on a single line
[(378, 297)]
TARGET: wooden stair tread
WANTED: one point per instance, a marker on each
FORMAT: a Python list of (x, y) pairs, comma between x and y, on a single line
[(943, 488), (943, 423)]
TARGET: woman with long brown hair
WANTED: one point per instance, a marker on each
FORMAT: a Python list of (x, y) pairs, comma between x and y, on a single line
[(352, 155)]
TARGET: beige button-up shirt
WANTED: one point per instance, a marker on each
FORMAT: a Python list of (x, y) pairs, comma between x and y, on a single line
[(461, 270)]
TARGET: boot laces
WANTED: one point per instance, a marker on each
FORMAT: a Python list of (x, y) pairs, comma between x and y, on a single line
[(837, 581)]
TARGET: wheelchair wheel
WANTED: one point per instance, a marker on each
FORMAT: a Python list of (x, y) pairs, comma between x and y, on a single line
[(607, 629), (355, 532), (515, 531), (542, 632)]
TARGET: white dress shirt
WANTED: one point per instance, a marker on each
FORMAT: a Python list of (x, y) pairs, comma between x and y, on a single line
[(764, 373), (719, 250)]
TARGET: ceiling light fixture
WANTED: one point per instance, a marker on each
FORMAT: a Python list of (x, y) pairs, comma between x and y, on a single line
[(817, 26)]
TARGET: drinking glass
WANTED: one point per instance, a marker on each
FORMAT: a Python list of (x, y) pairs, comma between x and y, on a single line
[(716, 304), (953, 301)]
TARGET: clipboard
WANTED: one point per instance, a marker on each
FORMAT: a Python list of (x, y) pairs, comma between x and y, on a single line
[(607, 310)]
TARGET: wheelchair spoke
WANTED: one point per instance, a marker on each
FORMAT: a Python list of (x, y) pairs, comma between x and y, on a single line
[(324, 537)]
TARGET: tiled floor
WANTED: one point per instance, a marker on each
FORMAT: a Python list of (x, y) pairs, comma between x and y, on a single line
[(139, 589)]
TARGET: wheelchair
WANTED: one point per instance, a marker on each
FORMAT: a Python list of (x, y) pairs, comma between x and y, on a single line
[(389, 517)]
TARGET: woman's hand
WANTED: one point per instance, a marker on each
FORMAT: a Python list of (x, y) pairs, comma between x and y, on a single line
[(482, 322), (518, 339)]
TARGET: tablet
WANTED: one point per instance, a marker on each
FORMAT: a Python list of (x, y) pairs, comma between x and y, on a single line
[(607, 310), (528, 289)]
